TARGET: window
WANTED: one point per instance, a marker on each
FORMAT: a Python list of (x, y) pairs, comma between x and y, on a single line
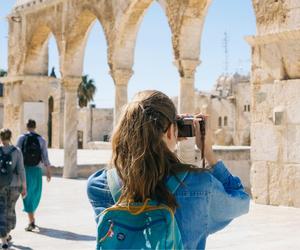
[(248, 108), (225, 121), (245, 108), (220, 121), (1, 89)]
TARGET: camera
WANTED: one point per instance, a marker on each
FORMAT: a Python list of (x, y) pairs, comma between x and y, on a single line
[(186, 127)]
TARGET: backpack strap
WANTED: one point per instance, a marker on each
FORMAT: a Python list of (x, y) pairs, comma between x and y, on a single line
[(12, 150), (173, 183), (9, 152), (115, 186)]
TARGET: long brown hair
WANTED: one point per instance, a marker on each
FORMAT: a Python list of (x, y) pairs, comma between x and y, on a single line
[(141, 157)]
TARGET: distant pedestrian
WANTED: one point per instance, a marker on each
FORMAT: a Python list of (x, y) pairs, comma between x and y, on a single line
[(35, 152), (12, 183)]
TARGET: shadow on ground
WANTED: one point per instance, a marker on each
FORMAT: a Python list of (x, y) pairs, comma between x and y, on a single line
[(65, 235), (19, 247)]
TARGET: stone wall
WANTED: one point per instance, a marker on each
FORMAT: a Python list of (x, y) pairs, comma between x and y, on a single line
[(276, 143), (95, 124), (275, 130), (242, 94), (229, 109)]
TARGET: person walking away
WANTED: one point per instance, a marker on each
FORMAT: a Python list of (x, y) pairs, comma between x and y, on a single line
[(35, 152), (12, 183)]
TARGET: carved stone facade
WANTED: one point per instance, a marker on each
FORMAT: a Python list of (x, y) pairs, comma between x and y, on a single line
[(275, 125), (229, 109), (31, 23)]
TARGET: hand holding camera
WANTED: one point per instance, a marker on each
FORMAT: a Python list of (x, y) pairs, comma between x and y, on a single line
[(197, 126)]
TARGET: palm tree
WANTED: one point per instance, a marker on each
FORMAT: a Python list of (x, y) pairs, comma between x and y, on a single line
[(3, 73), (86, 91)]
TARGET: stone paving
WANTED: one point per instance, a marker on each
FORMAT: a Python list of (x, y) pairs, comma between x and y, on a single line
[(66, 222)]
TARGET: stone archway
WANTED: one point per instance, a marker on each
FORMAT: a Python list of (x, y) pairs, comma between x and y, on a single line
[(36, 55), (275, 70)]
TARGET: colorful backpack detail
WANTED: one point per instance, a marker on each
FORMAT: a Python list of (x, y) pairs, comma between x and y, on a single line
[(146, 225)]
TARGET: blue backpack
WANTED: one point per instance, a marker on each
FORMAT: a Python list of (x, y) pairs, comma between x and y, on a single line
[(146, 225)]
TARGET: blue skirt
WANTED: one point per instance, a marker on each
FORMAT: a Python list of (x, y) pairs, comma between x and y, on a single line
[(34, 188)]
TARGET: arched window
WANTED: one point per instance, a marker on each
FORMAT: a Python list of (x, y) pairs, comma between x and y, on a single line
[(225, 121), (220, 121)]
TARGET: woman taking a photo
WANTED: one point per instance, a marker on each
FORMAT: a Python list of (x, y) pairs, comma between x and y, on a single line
[(13, 182), (143, 145)]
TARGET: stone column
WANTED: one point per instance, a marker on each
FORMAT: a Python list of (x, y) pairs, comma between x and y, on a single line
[(13, 106), (70, 126), (121, 78), (186, 103)]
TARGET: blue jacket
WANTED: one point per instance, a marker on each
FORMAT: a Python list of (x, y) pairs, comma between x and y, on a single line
[(207, 202)]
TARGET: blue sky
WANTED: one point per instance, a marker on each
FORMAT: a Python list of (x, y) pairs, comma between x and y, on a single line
[(153, 66)]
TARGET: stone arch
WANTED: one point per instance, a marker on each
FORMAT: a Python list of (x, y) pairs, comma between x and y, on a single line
[(122, 55), (185, 19), (77, 39), (36, 55)]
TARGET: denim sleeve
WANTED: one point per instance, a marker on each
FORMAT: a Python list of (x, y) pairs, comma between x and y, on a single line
[(228, 198), (98, 192)]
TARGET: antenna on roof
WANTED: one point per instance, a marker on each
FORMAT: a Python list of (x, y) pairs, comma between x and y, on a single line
[(226, 53)]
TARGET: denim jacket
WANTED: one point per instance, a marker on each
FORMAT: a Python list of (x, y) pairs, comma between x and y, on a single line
[(208, 201)]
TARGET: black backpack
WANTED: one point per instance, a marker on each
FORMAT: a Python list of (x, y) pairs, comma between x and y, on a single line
[(6, 168), (31, 150)]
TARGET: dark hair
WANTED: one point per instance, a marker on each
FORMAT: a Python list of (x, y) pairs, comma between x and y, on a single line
[(5, 134), (139, 153), (31, 124)]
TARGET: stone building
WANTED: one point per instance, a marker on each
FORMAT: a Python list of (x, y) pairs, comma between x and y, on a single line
[(275, 117), (228, 106), (93, 124)]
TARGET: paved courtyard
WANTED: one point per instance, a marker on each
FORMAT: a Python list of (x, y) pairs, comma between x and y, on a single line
[(66, 222)]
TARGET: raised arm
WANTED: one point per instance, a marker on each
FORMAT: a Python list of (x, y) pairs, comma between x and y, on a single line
[(21, 172), (44, 148), (228, 198)]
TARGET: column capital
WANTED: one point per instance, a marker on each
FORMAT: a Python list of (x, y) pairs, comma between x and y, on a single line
[(71, 83), (121, 76), (187, 67), (11, 79)]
